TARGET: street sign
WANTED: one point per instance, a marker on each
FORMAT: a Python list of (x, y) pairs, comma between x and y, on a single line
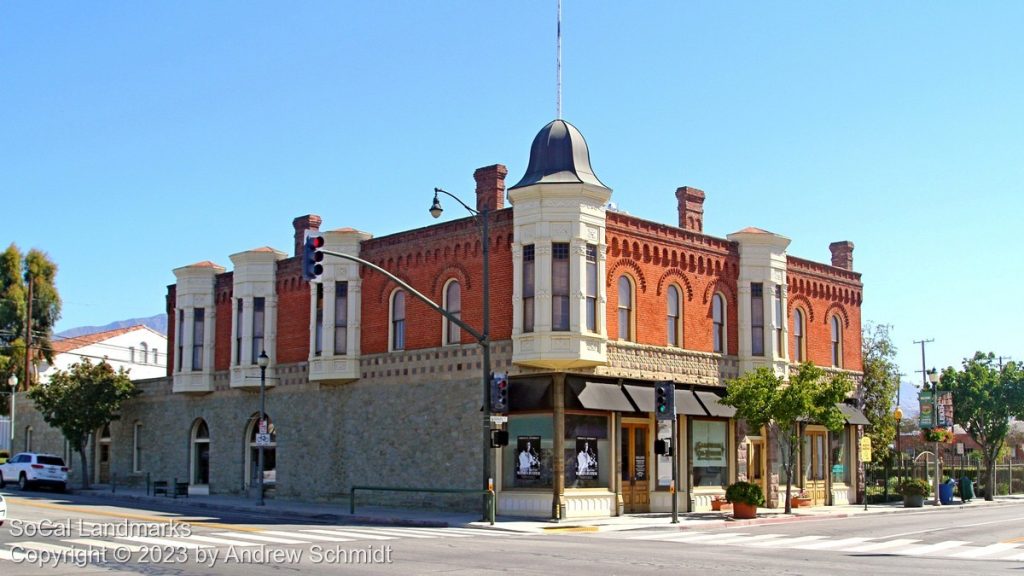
[(498, 419), (865, 449), (263, 427), (263, 439)]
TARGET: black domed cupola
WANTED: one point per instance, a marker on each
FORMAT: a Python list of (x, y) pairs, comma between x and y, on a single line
[(559, 155)]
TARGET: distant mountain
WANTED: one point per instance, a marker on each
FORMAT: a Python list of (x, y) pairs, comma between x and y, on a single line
[(158, 323)]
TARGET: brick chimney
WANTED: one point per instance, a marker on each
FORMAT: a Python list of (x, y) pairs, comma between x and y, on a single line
[(842, 254), (691, 208), (301, 224), (490, 187)]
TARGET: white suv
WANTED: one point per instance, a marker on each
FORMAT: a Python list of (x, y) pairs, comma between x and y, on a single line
[(31, 469)]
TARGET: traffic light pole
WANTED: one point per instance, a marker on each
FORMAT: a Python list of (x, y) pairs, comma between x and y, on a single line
[(481, 338), (675, 468)]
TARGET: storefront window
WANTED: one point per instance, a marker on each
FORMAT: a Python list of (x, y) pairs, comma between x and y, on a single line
[(528, 456), (587, 452), (709, 447), (840, 452)]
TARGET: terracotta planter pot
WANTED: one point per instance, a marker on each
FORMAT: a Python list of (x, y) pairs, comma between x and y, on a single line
[(800, 502), (721, 506), (742, 511)]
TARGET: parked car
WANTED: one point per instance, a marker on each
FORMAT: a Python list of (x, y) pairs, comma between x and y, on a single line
[(30, 469), (3, 510)]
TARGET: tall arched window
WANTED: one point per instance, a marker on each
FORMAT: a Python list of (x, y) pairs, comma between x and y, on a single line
[(453, 304), (200, 453), (798, 335), (837, 343), (143, 352), (718, 323), (674, 316), (625, 309), (398, 321)]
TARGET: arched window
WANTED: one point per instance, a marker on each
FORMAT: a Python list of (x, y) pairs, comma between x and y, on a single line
[(131, 354), (674, 316), (625, 308), (28, 438), (143, 352), (837, 343), (199, 461), (253, 453), (398, 320), (718, 323), (798, 335), (137, 446), (453, 304)]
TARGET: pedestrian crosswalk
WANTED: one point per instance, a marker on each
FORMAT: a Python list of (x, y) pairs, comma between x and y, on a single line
[(20, 550), (853, 545)]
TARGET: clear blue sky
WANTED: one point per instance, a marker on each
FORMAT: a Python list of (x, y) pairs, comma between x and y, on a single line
[(139, 137)]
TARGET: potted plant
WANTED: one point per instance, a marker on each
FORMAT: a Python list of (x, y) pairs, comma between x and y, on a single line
[(941, 435), (721, 503), (745, 498), (801, 499), (914, 492)]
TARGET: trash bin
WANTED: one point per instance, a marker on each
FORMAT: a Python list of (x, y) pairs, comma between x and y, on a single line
[(966, 489), (946, 492)]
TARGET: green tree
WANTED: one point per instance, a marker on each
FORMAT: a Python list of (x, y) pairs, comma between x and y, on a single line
[(881, 380), (81, 400), (765, 400), (984, 400), (17, 270)]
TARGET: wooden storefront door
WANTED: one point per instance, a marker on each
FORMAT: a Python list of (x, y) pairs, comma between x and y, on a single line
[(636, 496), (814, 457), (756, 464)]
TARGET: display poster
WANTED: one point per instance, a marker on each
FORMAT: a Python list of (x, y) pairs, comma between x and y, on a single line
[(664, 462), (586, 457), (709, 443), (527, 457)]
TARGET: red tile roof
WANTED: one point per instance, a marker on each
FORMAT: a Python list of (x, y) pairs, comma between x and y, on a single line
[(61, 345)]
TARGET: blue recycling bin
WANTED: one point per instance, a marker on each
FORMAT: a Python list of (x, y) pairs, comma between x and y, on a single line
[(946, 492)]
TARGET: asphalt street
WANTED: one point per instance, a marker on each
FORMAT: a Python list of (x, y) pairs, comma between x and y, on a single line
[(50, 534)]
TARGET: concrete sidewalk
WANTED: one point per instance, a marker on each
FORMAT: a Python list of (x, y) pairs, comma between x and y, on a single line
[(338, 512)]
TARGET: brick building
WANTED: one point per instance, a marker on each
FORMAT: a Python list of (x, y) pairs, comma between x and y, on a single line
[(589, 308)]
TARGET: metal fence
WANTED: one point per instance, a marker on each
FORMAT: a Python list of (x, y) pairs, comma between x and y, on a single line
[(884, 481)]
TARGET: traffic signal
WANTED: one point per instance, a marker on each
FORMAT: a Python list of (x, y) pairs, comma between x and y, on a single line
[(499, 438), (312, 256), (664, 401), (499, 393)]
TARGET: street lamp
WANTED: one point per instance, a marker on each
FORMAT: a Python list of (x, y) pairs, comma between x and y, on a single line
[(13, 383), (483, 216), (898, 415), (263, 361), (933, 378)]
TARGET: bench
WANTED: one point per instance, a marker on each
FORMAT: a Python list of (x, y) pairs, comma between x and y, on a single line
[(160, 487), (172, 489)]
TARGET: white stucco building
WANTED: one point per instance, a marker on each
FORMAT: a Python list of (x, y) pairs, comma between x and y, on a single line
[(139, 349)]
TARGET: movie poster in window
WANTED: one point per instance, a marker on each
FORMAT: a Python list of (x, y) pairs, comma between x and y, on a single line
[(586, 457), (527, 457)]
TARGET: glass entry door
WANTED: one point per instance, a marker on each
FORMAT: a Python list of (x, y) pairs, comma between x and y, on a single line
[(814, 462), (636, 496)]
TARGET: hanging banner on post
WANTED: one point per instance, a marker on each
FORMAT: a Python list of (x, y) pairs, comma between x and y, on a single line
[(865, 449), (944, 414), (926, 419)]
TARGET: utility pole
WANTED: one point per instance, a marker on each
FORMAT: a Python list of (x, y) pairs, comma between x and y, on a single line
[(1001, 358)]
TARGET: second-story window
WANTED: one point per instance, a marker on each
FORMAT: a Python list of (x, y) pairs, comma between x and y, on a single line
[(453, 305), (591, 293), (528, 287), (340, 318), (837, 343), (178, 336), (798, 335), (625, 308), (238, 332), (257, 327), (673, 319), (778, 323), (559, 286), (757, 319), (398, 321), (318, 335), (718, 323), (198, 332)]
